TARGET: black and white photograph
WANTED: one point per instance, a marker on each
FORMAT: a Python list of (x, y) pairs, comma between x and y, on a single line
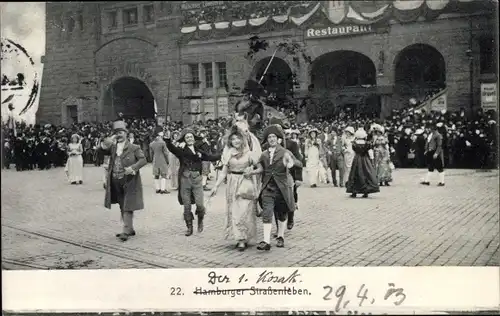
[(249, 134)]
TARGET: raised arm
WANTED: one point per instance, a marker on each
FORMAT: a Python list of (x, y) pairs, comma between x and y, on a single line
[(173, 149), (106, 146)]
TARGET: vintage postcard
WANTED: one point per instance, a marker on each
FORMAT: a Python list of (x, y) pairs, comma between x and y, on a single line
[(249, 157)]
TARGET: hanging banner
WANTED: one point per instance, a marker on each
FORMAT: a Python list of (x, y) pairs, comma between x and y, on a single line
[(489, 96), (222, 107)]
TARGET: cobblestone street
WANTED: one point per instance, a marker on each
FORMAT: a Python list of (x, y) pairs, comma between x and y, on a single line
[(47, 223)]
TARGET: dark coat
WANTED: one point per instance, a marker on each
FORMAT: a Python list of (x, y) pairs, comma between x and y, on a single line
[(435, 144), (132, 156), (189, 161), (279, 173), (296, 171)]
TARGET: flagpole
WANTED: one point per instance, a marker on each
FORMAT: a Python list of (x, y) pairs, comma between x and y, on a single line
[(269, 64), (168, 98)]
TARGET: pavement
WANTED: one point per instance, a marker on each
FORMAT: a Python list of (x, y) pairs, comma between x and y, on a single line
[(50, 224)]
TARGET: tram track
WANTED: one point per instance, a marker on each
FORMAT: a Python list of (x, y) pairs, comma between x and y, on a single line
[(142, 259)]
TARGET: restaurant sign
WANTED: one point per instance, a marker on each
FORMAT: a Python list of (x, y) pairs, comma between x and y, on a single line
[(346, 30)]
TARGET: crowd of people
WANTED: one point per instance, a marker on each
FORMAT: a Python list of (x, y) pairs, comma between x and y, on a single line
[(468, 142), (261, 159)]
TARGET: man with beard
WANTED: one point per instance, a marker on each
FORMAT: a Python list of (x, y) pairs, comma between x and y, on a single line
[(123, 178)]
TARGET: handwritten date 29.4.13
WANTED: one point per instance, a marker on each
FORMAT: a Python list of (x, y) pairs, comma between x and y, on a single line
[(363, 298)]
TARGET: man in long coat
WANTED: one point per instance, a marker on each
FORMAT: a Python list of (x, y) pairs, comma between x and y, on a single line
[(434, 155), (123, 177), (276, 195), (159, 153)]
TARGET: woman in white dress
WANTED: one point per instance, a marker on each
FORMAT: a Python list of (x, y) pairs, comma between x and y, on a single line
[(348, 151), (313, 153), (74, 164), (241, 211)]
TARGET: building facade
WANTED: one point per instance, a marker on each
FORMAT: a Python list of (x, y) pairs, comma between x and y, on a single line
[(187, 58)]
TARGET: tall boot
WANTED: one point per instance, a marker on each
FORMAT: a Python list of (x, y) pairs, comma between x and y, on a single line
[(201, 216), (189, 223)]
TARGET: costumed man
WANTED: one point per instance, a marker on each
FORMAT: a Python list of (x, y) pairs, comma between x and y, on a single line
[(276, 194), (158, 150), (251, 106), (124, 185), (335, 146), (190, 176), (295, 171), (434, 155)]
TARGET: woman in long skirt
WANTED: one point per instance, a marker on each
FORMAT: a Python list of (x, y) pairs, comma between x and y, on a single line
[(314, 154), (241, 218), (348, 138), (382, 157), (173, 166), (74, 165), (362, 177)]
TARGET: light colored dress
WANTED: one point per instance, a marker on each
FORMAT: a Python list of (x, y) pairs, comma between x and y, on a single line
[(348, 155), (74, 165), (241, 218), (313, 164), (382, 159)]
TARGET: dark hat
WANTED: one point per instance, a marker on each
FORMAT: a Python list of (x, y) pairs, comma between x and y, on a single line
[(254, 88), (184, 132), (274, 129), (158, 130), (275, 121)]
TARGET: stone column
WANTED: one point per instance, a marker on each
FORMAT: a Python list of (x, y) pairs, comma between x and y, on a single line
[(215, 74)]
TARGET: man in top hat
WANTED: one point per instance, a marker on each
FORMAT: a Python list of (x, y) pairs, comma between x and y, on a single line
[(158, 150), (434, 155), (124, 185), (276, 196), (190, 176)]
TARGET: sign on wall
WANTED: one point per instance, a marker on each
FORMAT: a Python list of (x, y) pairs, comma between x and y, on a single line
[(195, 107), (222, 106), (209, 109), (336, 31), (489, 94), (440, 103)]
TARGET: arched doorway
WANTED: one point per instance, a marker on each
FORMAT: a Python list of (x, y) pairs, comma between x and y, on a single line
[(347, 79), (278, 80), (420, 71), (129, 96)]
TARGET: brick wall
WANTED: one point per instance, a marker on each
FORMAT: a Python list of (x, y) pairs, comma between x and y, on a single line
[(78, 56)]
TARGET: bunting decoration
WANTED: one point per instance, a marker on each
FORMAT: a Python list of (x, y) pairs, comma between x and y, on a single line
[(252, 16)]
